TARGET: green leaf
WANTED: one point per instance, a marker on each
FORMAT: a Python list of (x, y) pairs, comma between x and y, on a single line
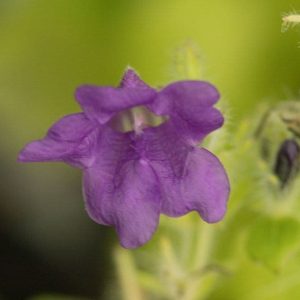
[(272, 241)]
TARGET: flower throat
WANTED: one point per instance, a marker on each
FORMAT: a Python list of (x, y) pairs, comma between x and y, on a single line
[(135, 119)]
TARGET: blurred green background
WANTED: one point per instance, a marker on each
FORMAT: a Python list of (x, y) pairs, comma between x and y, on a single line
[(48, 48)]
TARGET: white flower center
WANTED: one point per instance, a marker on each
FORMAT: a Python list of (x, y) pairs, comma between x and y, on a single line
[(135, 119)]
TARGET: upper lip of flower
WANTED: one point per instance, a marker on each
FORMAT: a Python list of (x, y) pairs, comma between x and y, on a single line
[(130, 179), (101, 103)]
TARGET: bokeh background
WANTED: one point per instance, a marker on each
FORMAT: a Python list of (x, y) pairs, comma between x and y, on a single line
[(48, 48)]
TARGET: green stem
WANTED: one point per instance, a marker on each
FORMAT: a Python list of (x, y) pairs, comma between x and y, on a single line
[(127, 275), (197, 288)]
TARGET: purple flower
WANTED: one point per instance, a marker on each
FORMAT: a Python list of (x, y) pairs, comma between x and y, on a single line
[(130, 177)]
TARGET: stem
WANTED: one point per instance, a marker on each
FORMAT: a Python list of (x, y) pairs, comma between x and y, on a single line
[(172, 270), (204, 245), (203, 252), (127, 275)]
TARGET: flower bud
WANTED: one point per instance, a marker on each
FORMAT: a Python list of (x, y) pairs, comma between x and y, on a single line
[(278, 134), (287, 162)]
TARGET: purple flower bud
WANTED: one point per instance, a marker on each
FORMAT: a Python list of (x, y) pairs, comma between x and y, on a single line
[(287, 161)]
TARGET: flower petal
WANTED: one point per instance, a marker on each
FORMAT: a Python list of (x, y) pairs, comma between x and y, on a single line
[(71, 128), (123, 192), (132, 80), (191, 178), (100, 103), (70, 140), (190, 107)]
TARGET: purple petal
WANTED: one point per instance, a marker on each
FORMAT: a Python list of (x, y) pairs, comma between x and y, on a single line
[(70, 140), (191, 178), (101, 103), (123, 192), (203, 187), (184, 94), (132, 80), (71, 128), (189, 105)]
